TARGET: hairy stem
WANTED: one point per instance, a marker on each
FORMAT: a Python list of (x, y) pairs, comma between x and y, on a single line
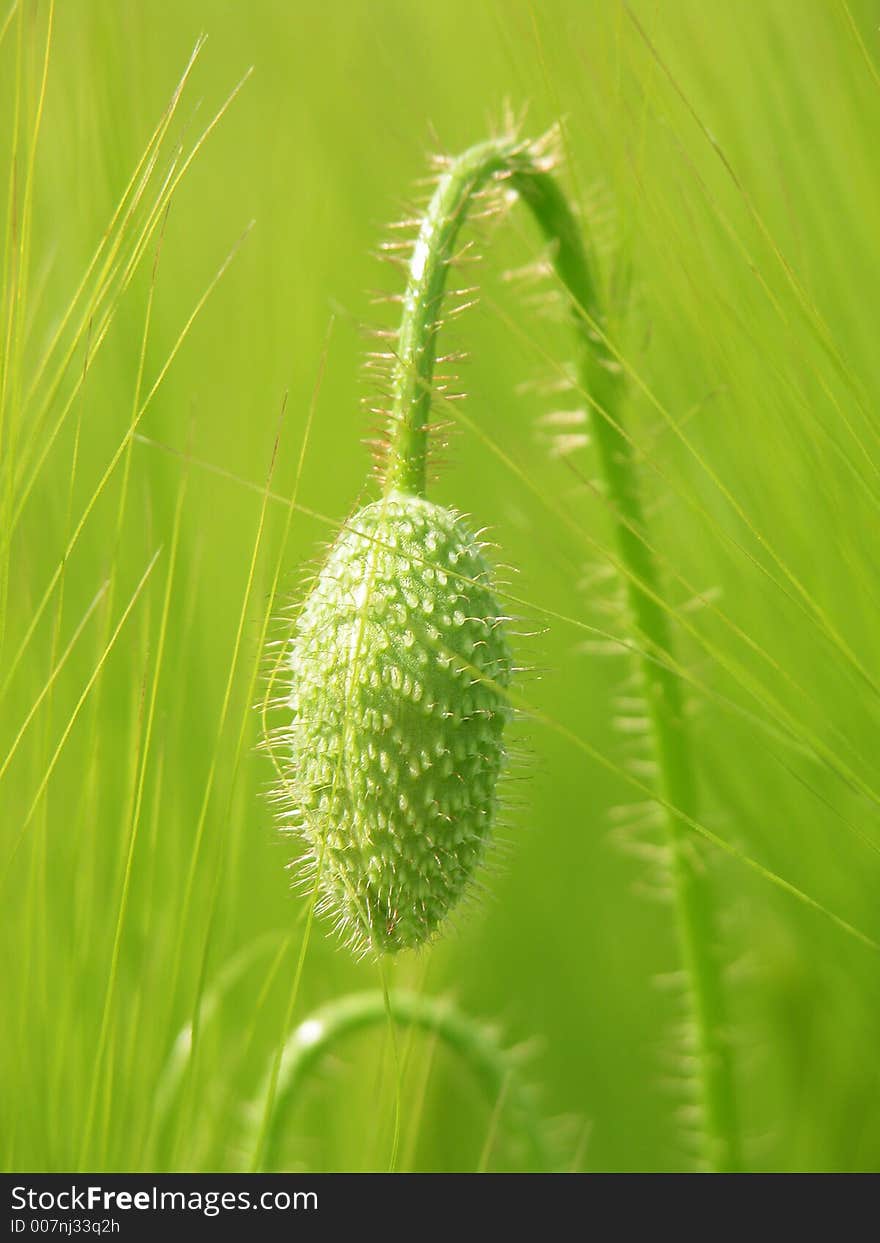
[(434, 249), (496, 1069), (601, 379)]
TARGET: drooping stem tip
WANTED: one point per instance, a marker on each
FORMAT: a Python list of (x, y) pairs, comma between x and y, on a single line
[(496, 1069)]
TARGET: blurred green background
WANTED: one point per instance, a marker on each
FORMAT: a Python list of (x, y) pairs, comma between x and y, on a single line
[(728, 153)]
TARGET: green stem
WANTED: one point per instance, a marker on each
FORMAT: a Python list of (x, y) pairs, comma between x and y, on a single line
[(433, 252), (497, 1070), (601, 379)]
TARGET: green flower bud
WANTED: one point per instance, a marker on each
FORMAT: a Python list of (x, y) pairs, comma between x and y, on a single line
[(399, 664)]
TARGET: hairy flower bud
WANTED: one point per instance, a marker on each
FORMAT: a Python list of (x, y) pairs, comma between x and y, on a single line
[(399, 664)]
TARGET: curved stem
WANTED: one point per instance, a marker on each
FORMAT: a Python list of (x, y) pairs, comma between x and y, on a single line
[(496, 1069), (601, 379), (433, 251)]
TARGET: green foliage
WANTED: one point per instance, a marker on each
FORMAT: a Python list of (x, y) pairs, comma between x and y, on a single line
[(728, 154)]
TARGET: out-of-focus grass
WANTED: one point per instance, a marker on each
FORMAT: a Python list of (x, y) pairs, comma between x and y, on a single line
[(730, 154)]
